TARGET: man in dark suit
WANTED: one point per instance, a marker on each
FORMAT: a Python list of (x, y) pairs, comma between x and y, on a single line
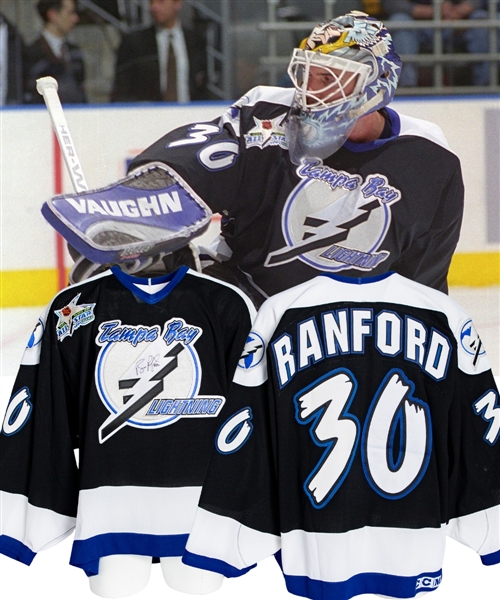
[(53, 55), (163, 62), (12, 59)]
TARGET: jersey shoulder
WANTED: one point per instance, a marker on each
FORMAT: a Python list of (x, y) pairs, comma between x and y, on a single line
[(263, 103), (217, 284), (91, 283), (328, 289), (267, 94), (424, 129)]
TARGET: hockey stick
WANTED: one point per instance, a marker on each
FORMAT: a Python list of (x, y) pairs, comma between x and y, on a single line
[(138, 241), (47, 87)]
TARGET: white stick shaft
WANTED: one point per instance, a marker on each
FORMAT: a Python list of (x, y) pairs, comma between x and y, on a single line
[(47, 87)]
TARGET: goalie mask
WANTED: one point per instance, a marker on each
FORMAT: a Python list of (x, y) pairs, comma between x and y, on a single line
[(345, 69)]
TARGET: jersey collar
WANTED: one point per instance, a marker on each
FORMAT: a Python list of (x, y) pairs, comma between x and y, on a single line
[(395, 123), (358, 280), (139, 285)]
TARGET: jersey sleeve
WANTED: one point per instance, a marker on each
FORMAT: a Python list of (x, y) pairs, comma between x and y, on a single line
[(38, 473), (439, 240), (208, 156), (237, 521), (475, 466), (238, 316)]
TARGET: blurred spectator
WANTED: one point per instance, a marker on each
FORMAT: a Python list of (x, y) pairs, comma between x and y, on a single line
[(53, 55), (127, 11), (411, 41), (478, 40), (165, 61), (12, 58), (112, 7), (374, 8), (289, 12)]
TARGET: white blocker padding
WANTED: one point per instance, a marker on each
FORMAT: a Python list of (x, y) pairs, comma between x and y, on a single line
[(152, 210)]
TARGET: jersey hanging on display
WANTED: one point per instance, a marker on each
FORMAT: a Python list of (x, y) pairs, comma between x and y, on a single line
[(134, 373), (362, 427)]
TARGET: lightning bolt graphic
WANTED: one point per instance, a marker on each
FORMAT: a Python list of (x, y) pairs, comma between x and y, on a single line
[(250, 352), (476, 356), (313, 242), (247, 356), (133, 405)]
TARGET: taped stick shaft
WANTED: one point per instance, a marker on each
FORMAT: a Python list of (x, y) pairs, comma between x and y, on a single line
[(47, 87)]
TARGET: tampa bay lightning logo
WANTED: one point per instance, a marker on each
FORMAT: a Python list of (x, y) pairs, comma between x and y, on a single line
[(149, 378), (253, 352), (31, 355), (471, 342), (36, 336), (334, 220)]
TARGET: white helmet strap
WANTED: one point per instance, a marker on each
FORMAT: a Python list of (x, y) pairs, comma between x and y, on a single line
[(367, 106)]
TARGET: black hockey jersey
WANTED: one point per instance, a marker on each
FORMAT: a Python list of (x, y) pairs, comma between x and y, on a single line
[(392, 204), (362, 427), (133, 373)]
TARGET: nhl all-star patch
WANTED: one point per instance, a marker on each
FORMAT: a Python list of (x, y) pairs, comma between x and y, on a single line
[(148, 377), (267, 132), (72, 316)]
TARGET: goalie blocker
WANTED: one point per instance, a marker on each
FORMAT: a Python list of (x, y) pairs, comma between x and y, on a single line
[(152, 210)]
